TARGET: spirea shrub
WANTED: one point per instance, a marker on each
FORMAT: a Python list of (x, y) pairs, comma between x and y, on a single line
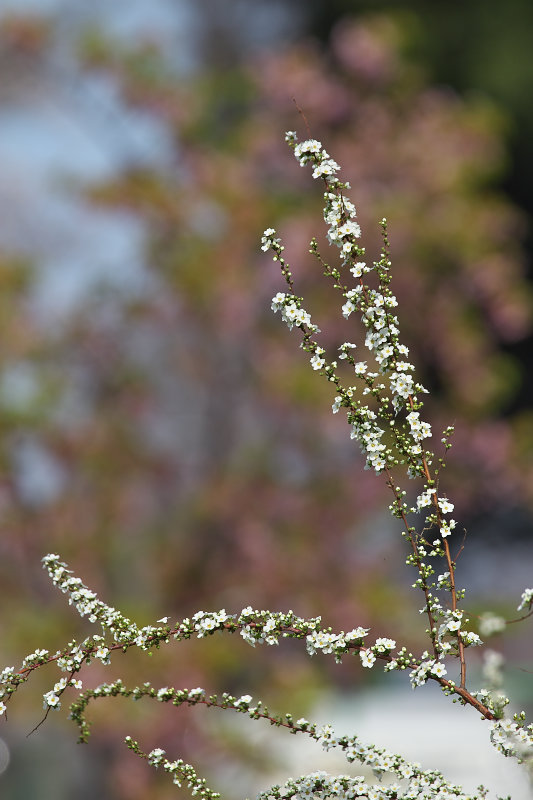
[(382, 399)]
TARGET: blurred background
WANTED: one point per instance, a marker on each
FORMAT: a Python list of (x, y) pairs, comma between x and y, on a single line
[(159, 427)]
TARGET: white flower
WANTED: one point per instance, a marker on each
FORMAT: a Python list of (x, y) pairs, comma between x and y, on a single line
[(103, 654), (206, 625), (317, 362), (401, 384), (356, 633), (156, 756), (278, 301), (244, 700), (51, 700), (368, 659), (350, 228), (302, 317), (424, 499), (269, 239), (325, 168), (303, 148), (384, 354), (382, 644), (445, 506), (347, 309), (344, 348), (453, 625), (447, 527), (527, 598), (438, 669), (358, 269), (419, 675), (337, 404), (403, 366), (470, 639)]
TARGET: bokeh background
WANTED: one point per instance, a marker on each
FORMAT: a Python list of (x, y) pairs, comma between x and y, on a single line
[(159, 427)]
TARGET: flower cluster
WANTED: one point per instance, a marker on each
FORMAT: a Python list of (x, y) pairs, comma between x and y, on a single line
[(513, 738), (383, 411), (344, 787), (255, 627), (291, 311), (328, 642), (86, 602), (424, 670), (368, 433), (526, 600), (179, 769), (369, 426), (51, 698), (311, 150), (390, 431), (411, 781), (205, 623)]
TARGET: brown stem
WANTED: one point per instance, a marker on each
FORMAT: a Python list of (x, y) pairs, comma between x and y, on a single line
[(451, 569)]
